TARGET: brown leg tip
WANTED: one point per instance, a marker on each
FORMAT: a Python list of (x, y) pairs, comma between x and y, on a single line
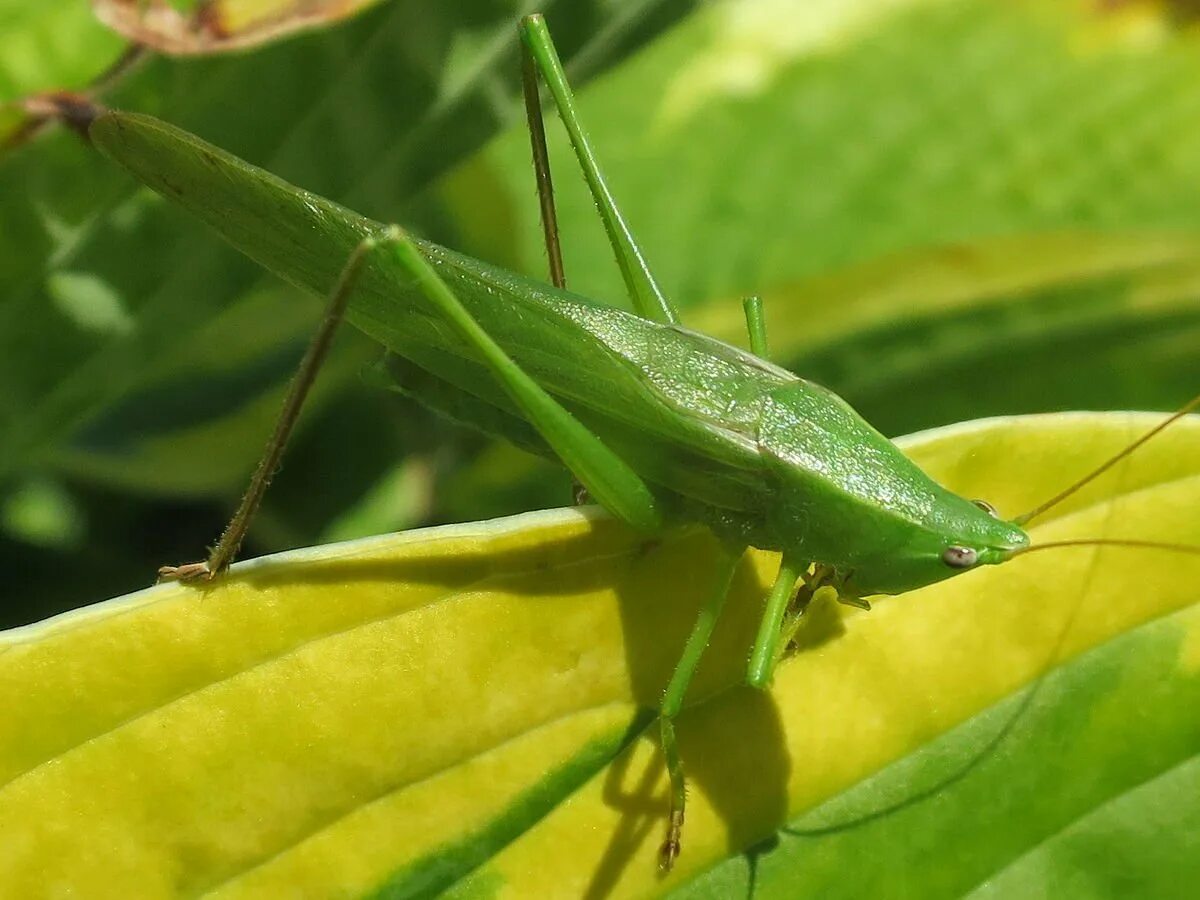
[(667, 854), (185, 573), (669, 851)]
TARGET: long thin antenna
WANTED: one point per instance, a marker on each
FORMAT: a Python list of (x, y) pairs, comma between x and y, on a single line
[(1110, 542), (541, 167), (1190, 406)]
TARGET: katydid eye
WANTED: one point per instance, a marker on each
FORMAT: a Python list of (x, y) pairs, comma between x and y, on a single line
[(960, 557), (987, 508)]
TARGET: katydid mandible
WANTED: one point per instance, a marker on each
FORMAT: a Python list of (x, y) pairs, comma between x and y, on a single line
[(659, 424)]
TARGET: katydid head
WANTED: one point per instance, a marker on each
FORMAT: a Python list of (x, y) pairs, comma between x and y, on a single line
[(1008, 539), (848, 498), (990, 540), (960, 535)]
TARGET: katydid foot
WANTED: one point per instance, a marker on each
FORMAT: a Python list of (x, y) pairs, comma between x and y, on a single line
[(188, 572), (668, 852)]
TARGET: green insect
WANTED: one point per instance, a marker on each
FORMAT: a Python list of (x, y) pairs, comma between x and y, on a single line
[(659, 424)]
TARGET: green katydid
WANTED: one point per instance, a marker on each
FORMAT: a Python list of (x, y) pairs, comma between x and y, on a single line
[(659, 424)]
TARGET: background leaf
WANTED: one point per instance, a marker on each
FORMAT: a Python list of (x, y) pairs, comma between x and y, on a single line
[(303, 722)]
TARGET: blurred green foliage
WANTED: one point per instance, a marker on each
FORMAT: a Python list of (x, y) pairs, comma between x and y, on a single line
[(952, 207), (152, 429)]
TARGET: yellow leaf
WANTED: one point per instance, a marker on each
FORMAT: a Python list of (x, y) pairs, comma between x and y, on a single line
[(464, 706)]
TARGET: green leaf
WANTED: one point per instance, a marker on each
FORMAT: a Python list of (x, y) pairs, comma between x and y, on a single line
[(460, 708)]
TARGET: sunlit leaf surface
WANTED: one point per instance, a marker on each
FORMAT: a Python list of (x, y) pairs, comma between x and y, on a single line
[(461, 708)]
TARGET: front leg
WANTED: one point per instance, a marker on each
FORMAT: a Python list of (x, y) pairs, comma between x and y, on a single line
[(318, 349)]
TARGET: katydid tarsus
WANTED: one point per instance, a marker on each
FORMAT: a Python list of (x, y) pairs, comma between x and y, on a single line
[(659, 424)]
